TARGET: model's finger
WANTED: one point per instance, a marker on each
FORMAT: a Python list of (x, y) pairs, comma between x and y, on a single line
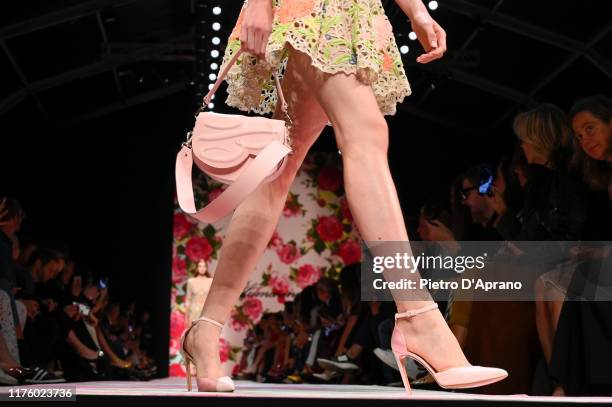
[(256, 39), (432, 38), (250, 41), (264, 44)]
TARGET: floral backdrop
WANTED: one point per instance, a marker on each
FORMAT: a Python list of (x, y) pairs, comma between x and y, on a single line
[(315, 237)]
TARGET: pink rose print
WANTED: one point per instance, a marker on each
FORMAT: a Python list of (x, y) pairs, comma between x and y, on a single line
[(280, 287), (214, 194), (236, 369), (173, 296), (182, 226), (224, 350), (177, 370), (174, 346), (307, 275), (252, 307), (179, 270), (345, 210), (198, 248), (291, 209), (329, 228), (329, 179), (288, 253), (275, 240), (350, 251), (238, 324), (177, 324)]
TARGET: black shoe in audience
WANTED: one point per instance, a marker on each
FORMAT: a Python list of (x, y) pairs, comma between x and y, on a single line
[(34, 375)]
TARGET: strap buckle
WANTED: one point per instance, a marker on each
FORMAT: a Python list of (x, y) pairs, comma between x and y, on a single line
[(187, 142), (199, 110)]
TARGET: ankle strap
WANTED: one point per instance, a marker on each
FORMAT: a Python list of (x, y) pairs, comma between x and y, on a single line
[(212, 321), (411, 313)]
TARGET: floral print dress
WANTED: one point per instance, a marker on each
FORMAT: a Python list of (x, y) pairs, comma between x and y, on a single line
[(350, 36)]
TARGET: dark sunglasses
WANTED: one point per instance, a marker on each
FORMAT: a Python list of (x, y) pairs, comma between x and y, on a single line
[(484, 189)]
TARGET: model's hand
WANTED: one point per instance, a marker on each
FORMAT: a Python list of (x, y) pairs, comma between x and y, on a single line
[(431, 36), (256, 27)]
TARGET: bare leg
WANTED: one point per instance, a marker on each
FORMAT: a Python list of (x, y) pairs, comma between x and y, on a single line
[(354, 351), (79, 347), (362, 136), (253, 224), (548, 308)]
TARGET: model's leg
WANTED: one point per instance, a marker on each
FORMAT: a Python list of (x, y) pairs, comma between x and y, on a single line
[(362, 136), (254, 222)]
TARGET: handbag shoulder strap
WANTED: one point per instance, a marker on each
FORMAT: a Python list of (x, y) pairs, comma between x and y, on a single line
[(234, 194), (223, 74)]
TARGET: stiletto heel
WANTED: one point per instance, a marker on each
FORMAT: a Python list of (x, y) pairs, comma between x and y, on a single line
[(188, 371), (402, 368), (222, 384), (461, 377)]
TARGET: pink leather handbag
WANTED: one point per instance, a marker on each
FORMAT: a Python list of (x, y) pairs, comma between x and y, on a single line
[(242, 151)]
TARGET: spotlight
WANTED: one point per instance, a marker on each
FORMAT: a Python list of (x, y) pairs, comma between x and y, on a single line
[(216, 41), (433, 5), (212, 76), (412, 35), (214, 53), (214, 66), (211, 106), (210, 86), (216, 10), (404, 49), (216, 26)]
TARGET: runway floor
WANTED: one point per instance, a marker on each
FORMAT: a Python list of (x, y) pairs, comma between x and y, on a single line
[(175, 387)]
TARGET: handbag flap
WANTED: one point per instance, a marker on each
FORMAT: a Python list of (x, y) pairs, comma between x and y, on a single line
[(224, 141)]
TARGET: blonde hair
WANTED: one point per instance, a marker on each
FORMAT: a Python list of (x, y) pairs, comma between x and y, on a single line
[(546, 127)]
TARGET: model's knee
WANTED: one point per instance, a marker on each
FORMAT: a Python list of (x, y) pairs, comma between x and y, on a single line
[(363, 138)]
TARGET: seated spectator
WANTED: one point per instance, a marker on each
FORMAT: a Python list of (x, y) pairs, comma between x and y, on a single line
[(470, 321), (554, 207), (360, 333), (581, 350)]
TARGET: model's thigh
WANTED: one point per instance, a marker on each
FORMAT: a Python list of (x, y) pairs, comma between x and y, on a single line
[(349, 103), (307, 115)]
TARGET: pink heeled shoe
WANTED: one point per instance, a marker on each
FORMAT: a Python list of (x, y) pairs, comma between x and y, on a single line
[(453, 378), (222, 384)]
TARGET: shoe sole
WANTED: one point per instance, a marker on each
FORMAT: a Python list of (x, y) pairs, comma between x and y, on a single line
[(475, 384)]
